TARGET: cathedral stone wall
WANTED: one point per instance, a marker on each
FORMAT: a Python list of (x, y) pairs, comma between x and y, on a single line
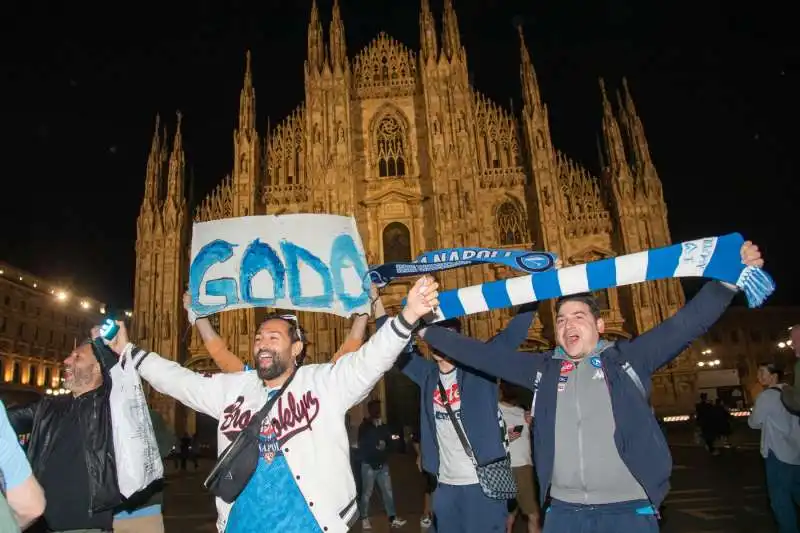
[(400, 140)]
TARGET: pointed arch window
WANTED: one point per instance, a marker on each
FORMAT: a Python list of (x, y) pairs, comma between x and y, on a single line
[(390, 146), (396, 243), (510, 224)]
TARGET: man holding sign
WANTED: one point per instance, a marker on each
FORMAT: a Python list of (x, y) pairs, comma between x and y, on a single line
[(303, 482)]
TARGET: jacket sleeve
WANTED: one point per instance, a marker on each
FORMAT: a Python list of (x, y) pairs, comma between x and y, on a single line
[(515, 333), (657, 347), (205, 394), (352, 377), (21, 417), (495, 358)]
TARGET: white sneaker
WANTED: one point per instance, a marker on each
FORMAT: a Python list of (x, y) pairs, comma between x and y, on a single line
[(425, 522), (398, 522), (365, 524)]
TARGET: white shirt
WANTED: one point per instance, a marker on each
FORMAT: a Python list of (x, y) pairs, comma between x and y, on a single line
[(455, 466), (520, 448), (780, 430)]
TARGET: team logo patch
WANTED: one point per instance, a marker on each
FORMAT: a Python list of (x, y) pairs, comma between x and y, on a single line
[(595, 362), (563, 379), (567, 367)]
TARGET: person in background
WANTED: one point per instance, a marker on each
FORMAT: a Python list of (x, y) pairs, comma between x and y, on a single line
[(780, 447), (71, 448), (142, 512), (459, 503), (375, 440), (707, 422), (518, 424), (429, 486), (227, 360), (22, 494)]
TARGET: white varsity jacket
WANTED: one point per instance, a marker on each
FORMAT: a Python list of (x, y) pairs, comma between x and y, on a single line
[(309, 415)]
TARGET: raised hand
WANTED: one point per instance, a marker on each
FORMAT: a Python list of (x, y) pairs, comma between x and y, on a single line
[(187, 301), (120, 340), (422, 299), (751, 255)]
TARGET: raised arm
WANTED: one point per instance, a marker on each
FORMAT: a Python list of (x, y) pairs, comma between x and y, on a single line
[(495, 358), (217, 350), (205, 394), (660, 345), (355, 338), (352, 377)]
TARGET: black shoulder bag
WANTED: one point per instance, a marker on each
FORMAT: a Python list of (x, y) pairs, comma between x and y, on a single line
[(496, 479), (237, 463)]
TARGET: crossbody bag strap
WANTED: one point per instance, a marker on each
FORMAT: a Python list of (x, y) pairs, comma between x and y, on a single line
[(456, 425), (258, 418)]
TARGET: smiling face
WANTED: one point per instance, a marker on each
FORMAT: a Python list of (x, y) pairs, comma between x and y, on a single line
[(274, 350), (577, 329), (81, 370)]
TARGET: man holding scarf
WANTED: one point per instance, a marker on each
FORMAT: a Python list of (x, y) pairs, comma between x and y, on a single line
[(598, 450), (303, 482)]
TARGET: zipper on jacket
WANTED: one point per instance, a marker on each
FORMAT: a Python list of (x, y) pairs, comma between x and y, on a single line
[(610, 396), (581, 465)]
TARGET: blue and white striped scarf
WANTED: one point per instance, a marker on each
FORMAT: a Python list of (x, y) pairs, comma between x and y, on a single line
[(716, 258)]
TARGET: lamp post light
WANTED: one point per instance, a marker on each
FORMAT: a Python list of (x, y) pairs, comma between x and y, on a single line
[(712, 363)]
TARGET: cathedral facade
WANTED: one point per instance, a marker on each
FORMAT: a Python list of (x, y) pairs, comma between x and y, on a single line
[(400, 140)]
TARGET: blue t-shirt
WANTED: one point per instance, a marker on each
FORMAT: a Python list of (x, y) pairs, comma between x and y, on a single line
[(271, 500), (13, 463)]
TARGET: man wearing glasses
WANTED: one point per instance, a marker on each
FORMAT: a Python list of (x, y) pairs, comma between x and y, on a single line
[(303, 482)]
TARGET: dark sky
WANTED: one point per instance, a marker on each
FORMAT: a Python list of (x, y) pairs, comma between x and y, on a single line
[(716, 86)]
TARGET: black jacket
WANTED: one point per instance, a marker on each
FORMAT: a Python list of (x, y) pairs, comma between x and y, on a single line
[(374, 443), (42, 420)]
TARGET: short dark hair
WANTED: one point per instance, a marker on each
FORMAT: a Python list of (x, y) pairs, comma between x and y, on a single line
[(585, 298), (373, 403), (296, 333), (773, 368)]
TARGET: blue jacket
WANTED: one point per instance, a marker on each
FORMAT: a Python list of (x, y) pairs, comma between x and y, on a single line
[(479, 396), (639, 440)]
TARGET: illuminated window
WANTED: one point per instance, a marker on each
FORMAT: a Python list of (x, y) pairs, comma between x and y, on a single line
[(510, 224), (390, 148)]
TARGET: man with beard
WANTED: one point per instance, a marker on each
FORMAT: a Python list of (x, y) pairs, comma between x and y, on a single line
[(71, 448), (303, 482), (598, 449)]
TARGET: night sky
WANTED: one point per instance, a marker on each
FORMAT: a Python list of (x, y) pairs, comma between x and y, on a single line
[(716, 86)]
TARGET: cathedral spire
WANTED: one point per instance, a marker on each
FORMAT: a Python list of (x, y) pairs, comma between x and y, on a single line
[(530, 85), (338, 45), (316, 44), (451, 38), (616, 160), (247, 99), (427, 32), (642, 160), (153, 174), (177, 163)]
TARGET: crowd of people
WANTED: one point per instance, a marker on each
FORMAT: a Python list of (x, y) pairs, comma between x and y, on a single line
[(588, 455)]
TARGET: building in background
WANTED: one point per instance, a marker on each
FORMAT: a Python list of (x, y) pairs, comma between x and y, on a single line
[(402, 141), (40, 323)]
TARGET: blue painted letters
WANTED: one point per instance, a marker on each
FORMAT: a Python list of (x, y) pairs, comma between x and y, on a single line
[(343, 255), (260, 256), (217, 251), (293, 253)]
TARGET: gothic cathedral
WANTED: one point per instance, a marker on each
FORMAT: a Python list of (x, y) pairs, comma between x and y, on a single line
[(422, 160)]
